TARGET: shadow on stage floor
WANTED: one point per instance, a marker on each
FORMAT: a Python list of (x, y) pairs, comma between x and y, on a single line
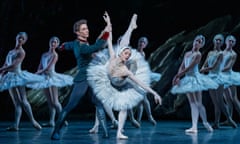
[(165, 132)]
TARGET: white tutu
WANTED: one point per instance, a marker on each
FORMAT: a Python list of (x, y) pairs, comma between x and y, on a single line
[(194, 83), (55, 79), (155, 76), (233, 78), (220, 78), (20, 78), (130, 95)]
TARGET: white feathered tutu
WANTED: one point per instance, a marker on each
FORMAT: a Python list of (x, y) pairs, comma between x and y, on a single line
[(121, 98), (19, 78), (53, 79)]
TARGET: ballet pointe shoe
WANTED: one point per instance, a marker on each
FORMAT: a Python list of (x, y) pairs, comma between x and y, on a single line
[(12, 128), (232, 123), (133, 22), (152, 120), (37, 126), (208, 127), (65, 123), (121, 136), (191, 130), (49, 124), (135, 123), (94, 130)]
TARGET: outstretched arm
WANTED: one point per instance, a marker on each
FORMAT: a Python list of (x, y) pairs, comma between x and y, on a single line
[(157, 97)]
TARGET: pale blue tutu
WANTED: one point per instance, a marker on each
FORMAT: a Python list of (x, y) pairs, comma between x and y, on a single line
[(220, 78), (194, 83), (55, 79), (19, 78), (155, 77), (233, 78)]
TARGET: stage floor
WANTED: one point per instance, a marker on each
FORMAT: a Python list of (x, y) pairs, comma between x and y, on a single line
[(165, 132)]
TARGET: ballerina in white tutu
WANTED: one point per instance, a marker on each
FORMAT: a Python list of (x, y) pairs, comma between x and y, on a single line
[(53, 80), (193, 83), (142, 44), (114, 84), (15, 79), (212, 65), (230, 91), (154, 77)]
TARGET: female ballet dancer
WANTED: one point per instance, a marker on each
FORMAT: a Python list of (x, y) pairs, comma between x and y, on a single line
[(115, 85), (102, 60), (230, 91), (142, 44), (193, 83), (15, 80), (53, 80), (212, 65)]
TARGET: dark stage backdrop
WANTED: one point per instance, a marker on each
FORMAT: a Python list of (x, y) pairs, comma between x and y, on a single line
[(41, 19)]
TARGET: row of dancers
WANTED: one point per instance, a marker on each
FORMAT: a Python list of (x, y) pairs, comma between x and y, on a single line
[(118, 78), (129, 82), (216, 76), (15, 80)]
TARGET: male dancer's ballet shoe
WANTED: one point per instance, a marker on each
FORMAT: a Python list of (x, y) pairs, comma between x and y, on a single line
[(37, 126), (152, 120), (12, 128), (135, 123), (94, 130), (114, 124), (208, 127), (191, 130), (55, 136), (121, 136), (60, 122)]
